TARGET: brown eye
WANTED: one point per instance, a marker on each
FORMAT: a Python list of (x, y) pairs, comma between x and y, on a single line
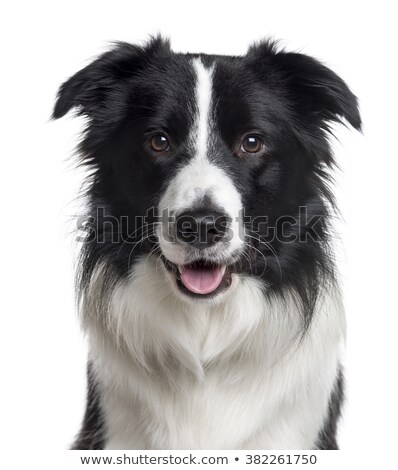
[(159, 143), (252, 144)]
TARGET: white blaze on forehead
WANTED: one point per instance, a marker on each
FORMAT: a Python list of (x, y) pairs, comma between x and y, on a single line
[(200, 176), (203, 102)]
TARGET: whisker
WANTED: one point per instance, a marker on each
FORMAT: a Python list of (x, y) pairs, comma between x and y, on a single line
[(260, 239)]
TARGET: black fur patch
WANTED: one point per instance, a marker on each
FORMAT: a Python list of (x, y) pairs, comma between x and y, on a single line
[(91, 435), (327, 437)]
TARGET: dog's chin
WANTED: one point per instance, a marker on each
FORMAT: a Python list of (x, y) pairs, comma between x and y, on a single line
[(201, 279)]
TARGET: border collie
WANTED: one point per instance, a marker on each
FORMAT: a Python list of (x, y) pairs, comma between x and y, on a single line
[(207, 285)]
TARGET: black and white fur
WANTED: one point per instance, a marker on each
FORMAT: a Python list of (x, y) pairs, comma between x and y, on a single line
[(257, 365)]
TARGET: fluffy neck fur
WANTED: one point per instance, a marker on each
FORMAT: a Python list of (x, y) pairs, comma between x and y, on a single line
[(219, 375)]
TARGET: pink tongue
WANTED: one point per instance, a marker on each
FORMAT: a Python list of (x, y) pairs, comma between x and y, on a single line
[(201, 280)]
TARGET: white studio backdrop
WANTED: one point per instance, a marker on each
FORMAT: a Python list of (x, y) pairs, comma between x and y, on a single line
[(43, 43)]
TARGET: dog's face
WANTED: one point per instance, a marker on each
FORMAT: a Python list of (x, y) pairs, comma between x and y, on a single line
[(210, 159)]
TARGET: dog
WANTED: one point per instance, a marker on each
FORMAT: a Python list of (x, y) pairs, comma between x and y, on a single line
[(207, 284)]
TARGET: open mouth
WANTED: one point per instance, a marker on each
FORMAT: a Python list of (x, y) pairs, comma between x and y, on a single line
[(201, 278)]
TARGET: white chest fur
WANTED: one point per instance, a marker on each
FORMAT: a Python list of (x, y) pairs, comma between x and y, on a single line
[(227, 375)]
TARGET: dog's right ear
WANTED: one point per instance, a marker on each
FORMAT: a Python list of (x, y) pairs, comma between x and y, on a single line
[(92, 87), (315, 90)]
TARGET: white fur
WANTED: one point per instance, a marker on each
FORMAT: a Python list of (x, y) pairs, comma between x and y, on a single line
[(229, 375), (201, 178)]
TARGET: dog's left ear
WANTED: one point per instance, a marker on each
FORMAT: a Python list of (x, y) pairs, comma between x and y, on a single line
[(316, 91), (94, 88)]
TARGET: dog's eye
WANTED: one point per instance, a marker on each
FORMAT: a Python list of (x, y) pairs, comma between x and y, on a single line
[(159, 143), (251, 144)]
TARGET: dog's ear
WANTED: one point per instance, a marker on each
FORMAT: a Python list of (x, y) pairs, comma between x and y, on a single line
[(316, 90), (98, 83)]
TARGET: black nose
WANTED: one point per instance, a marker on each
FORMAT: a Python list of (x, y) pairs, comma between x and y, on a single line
[(201, 229)]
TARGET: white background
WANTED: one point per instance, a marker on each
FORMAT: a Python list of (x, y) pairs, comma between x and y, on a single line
[(42, 43)]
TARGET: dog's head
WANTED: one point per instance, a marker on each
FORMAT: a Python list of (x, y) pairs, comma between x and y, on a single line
[(216, 164)]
